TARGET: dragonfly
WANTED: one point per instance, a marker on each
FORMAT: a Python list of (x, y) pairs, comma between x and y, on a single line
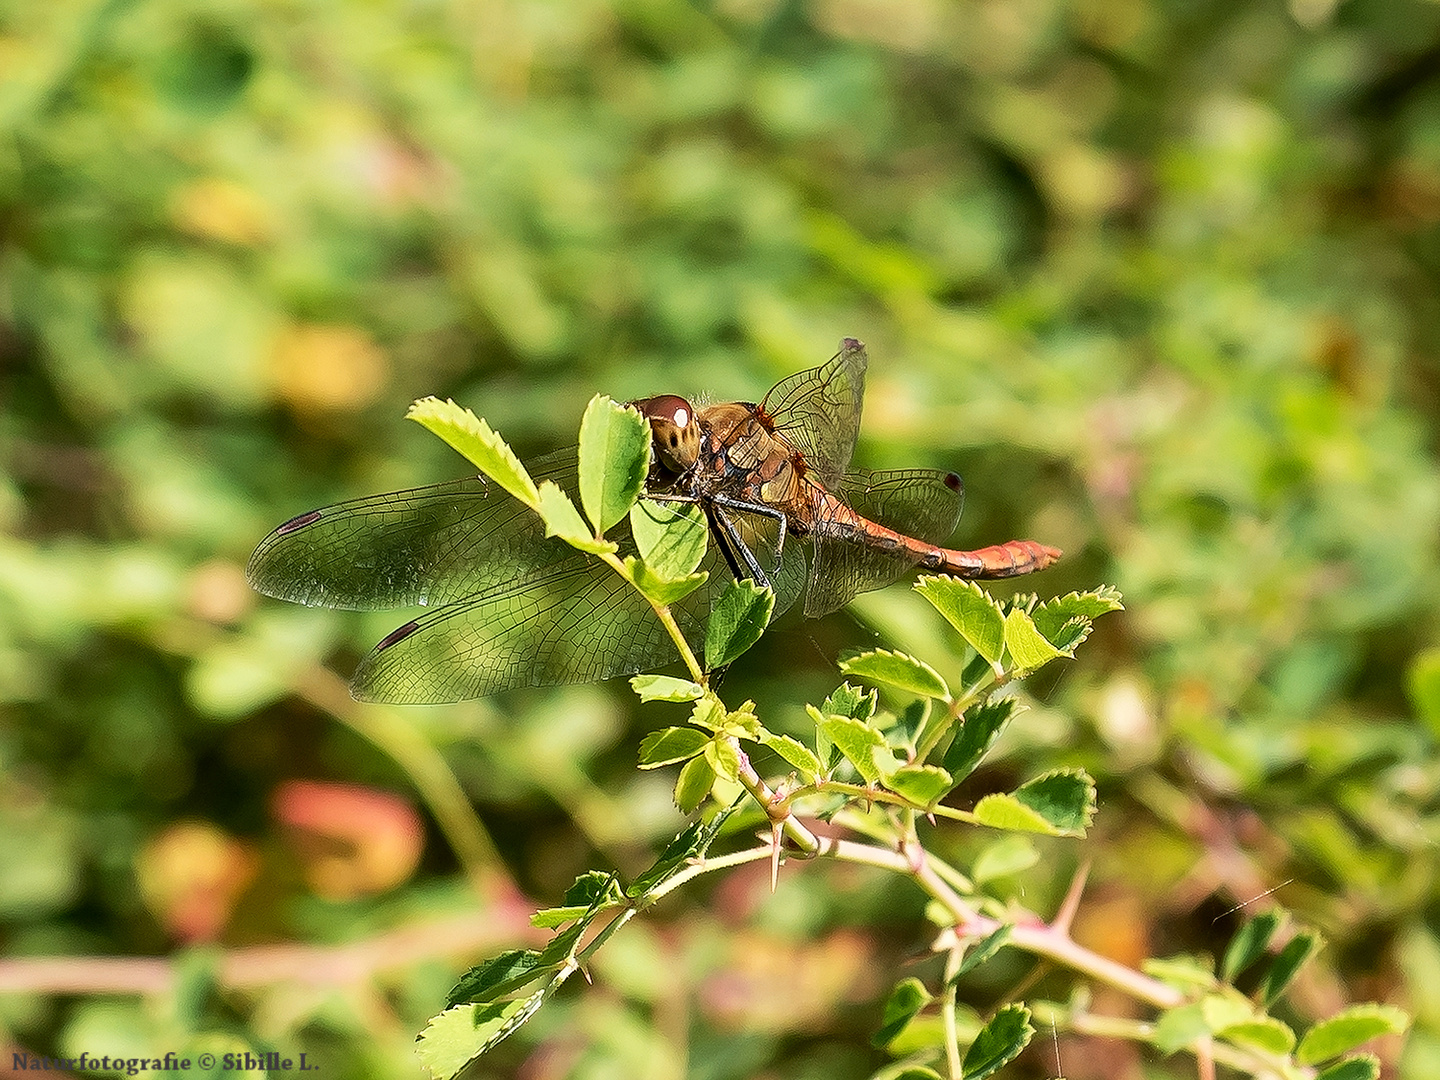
[(514, 608)]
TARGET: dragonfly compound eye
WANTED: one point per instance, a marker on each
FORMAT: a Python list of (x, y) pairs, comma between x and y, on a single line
[(674, 433)]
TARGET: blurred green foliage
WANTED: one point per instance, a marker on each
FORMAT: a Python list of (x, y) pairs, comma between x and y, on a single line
[(1159, 279)]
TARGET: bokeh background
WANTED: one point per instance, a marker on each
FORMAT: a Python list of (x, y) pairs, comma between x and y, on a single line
[(1160, 279)]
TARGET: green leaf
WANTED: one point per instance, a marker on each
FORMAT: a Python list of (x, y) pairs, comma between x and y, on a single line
[(671, 745), (595, 888), (670, 537), (508, 972), (1180, 1027), (660, 590), (475, 439), (1009, 854), (898, 670), (563, 520), (694, 783), (459, 1035), (737, 620), (1346, 1030), (1263, 1033), (690, 844), (1287, 962), (970, 610), (1226, 1009), (724, 758), (793, 751), (614, 458), (923, 785), (1054, 616), (550, 918), (1028, 647), (666, 688), (591, 892), (980, 728), (1359, 1067), (983, 950), (1249, 944), (851, 701), (998, 1043), (1059, 803), (904, 1002), (861, 745)]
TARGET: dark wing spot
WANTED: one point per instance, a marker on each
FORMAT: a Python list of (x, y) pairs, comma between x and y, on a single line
[(400, 633), (299, 522)]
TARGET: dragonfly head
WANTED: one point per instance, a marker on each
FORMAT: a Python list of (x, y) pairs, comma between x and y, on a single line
[(674, 432)]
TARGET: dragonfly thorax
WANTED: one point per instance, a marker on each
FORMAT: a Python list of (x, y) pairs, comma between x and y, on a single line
[(674, 431)]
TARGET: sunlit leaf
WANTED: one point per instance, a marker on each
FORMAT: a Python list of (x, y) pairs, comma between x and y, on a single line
[(661, 590), (459, 1035), (1263, 1033), (475, 439), (737, 620), (1059, 803), (861, 745), (696, 779), (671, 537), (614, 458), (671, 745), (1006, 855), (1028, 648), (795, 752), (666, 688), (563, 520), (898, 670), (923, 785), (1348, 1029), (970, 610)]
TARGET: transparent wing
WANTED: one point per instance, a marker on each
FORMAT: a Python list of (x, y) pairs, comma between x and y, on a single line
[(430, 545), (577, 621), (818, 410), (921, 503)]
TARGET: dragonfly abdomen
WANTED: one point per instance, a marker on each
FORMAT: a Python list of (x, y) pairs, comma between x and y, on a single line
[(1010, 559)]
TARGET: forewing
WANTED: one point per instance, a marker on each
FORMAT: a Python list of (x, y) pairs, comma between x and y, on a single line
[(578, 621), (818, 410), (430, 545), (921, 503)]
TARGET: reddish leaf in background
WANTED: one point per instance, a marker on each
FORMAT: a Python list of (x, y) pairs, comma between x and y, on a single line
[(353, 841), (191, 875)]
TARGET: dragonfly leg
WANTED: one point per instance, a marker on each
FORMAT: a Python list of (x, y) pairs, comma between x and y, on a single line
[(734, 549), (781, 522)]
